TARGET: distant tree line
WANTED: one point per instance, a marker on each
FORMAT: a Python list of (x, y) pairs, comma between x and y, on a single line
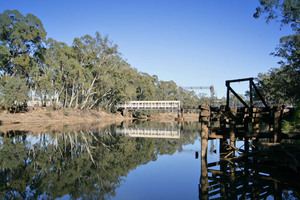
[(88, 74)]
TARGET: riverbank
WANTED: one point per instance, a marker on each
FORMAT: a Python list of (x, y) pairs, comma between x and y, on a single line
[(41, 119), (58, 116)]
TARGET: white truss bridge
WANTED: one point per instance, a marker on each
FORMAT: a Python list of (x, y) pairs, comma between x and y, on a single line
[(151, 105), (149, 132)]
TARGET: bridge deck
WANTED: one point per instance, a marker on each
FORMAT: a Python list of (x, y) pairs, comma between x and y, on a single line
[(151, 105)]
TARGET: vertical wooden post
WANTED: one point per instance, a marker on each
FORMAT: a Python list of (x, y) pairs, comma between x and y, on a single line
[(228, 92), (204, 114), (246, 144), (232, 127), (277, 123)]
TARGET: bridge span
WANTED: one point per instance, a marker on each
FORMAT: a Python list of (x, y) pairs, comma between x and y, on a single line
[(151, 105)]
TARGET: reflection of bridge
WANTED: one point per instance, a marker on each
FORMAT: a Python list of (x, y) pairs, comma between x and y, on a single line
[(149, 132), (151, 105)]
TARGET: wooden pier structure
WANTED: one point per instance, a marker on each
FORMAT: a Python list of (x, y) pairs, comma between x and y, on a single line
[(241, 172)]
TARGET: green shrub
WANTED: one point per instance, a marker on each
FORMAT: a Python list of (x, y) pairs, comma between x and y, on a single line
[(13, 92), (296, 117), (286, 126), (66, 111)]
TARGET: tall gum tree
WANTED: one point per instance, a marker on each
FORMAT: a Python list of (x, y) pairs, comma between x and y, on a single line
[(282, 85), (21, 37), (94, 53)]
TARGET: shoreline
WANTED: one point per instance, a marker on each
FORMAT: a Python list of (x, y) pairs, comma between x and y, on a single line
[(41, 119)]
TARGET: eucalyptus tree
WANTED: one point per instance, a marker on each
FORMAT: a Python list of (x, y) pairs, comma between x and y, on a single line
[(94, 54), (58, 64), (89, 74), (191, 98), (145, 89), (117, 84), (21, 38), (167, 90), (282, 84), (285, 11)]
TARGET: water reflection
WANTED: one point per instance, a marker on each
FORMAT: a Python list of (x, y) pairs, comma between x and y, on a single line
[(149, 132), (98, 163), (243, 178), (81, 164)]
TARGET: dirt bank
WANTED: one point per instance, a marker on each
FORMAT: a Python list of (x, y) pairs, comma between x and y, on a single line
[(58, 116), (43, 119), (39, 120)]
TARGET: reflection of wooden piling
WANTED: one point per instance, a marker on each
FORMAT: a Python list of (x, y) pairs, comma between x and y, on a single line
[(203, 190), (277, 190), (233, 113), (204, 179), (204, 139), (246, 144), (223, 184), (250, 123)]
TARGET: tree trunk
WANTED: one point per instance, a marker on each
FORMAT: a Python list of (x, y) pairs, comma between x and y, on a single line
[(57, 98), (76, 102), (66, 98), (89, 93), (32, 94), (94, 103), (51, 102), (73, 94), (42, 100)]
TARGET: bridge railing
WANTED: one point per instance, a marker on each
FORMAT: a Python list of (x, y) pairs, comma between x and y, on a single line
[(151, 105)]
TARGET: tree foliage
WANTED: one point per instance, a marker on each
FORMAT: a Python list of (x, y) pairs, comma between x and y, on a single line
[(282, 84), (13, 92), (88, 74), (21, 39), (285, 11)]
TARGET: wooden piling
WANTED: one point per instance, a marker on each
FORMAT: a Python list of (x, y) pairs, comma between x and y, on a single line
[(277, 123)]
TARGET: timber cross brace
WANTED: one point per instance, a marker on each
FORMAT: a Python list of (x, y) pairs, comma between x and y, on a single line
[(251, 87)]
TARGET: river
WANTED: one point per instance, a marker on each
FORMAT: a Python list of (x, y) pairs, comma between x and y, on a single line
[(137, 160)]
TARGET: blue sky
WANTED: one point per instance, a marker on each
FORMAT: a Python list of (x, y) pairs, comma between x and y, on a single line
[(193, 42)]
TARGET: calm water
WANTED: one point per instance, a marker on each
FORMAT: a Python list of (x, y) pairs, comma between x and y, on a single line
[(142, 160)]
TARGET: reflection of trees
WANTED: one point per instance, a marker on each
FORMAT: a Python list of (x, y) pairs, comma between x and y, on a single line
[(82, 164)]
